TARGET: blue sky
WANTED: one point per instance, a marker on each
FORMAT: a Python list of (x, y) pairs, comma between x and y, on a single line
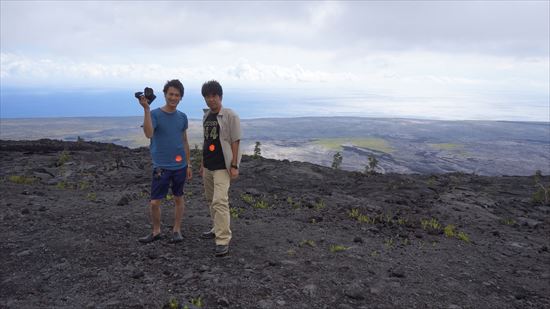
[(421, 59)]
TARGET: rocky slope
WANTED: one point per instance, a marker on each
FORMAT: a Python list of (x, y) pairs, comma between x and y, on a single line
[(305, 236)]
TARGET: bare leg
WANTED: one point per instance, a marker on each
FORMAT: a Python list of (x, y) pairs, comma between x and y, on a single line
[(155, 216), (179, 208)]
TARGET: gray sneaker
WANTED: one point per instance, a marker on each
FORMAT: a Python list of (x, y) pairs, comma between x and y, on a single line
[(222, 250)]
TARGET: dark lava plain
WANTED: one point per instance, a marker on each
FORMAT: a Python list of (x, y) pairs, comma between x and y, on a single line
[(305, 236)]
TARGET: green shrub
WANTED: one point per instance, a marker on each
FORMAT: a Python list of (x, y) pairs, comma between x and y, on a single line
[(64, 157), (463, 236), (307, 242), (247, 198), (449, 230), (261, 205)]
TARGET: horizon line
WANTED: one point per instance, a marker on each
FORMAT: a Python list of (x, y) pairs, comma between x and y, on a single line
[(297, 117)]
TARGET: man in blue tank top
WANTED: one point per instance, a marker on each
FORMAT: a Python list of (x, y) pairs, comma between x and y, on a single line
[(167, 128)]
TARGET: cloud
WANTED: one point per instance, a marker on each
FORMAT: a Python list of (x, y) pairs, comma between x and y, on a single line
[(82, 28), (16, 69)]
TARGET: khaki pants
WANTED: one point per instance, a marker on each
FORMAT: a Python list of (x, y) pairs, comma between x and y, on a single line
[(216, 188)]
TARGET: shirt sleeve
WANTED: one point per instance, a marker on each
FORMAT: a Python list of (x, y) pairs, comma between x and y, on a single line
[(235, 128)]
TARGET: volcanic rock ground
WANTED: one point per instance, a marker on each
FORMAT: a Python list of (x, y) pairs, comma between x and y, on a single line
[(304, 236)]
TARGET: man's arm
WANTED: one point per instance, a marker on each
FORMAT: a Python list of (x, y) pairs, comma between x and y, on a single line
[(147, 122), (234, 168)]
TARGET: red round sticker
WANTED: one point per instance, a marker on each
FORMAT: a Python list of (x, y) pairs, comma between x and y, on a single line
[(178, 158), (212, 147)]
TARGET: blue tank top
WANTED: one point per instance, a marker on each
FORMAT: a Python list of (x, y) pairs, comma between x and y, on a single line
[(167, 143)]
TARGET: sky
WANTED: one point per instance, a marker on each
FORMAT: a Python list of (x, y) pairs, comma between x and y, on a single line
[(458, 60)]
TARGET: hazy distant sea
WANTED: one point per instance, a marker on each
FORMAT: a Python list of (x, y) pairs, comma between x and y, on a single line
[(250, 103)]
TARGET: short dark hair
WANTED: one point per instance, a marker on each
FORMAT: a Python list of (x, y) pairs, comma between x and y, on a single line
[(173, 83), (212, 87)]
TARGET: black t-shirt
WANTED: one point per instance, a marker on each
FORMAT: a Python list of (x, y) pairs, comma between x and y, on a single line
[(212, 153)]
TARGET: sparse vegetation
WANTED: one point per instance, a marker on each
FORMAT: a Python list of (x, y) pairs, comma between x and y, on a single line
[(247, 198), (508, 221), (83, 185), (250, 200), (463, 236), (197, 302), (261, 204), (92, 196), (355, 214), (235, 212), (294, 204), (338, 248), (449, 231), (22, 180), (431, 224), (307, 242), (64, 157), (62, 185), (337, 160), (173, 303), (335, 144), (319, 204)]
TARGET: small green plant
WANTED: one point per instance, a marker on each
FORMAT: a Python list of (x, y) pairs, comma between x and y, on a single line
[(401, 221), (449, 231), (294, 204), (92, 196), (62, 185), (169, 197), (337, 248), (22, 180), (337, 160), (431, 224), (64, 157), (355, 214), (307, 242), (508, 221), (235, 212), (83, 185), (189, 193), (374, 253), (463, 236), (261, 204), (389, 242), (257, 151), (173, 303), (318, 205), (197, 302), (291, 252), (247, 198)]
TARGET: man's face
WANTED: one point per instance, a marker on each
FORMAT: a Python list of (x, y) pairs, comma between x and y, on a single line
[(172, 96), (214, 102)]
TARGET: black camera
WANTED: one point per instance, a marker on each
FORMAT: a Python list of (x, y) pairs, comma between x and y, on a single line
[(148, 93)]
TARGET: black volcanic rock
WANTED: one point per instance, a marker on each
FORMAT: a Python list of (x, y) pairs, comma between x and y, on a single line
[(304, 236)]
